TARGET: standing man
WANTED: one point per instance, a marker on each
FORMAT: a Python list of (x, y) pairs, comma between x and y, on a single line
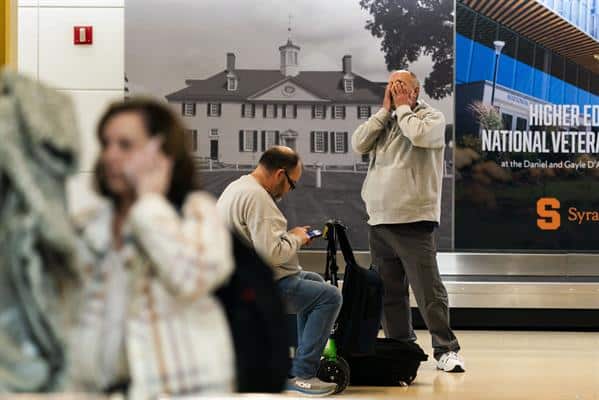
[(402, 192), (249, 206)]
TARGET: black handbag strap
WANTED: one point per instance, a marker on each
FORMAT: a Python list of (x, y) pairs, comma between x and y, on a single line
[(344, 245), (331, 268)]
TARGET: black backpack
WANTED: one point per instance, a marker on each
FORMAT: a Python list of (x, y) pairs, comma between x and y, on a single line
[(257, 321), (359, 320), (372, 361)]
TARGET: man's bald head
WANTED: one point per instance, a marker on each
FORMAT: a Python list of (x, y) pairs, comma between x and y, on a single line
[(279, 157), (405, 76), (408, 80)]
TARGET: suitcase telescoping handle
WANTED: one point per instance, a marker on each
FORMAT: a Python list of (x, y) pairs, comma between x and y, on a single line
[(344, 245), (335, 231), (331, 268)]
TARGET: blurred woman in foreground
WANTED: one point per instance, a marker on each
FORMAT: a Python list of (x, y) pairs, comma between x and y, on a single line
[(153, 255)]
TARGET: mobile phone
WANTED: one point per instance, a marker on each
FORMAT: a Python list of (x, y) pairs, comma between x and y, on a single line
[(314, 233)]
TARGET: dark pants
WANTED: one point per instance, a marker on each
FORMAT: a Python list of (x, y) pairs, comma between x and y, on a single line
[(406, 255)]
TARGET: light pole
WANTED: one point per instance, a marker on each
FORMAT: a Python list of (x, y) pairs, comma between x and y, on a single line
[(498, 47)]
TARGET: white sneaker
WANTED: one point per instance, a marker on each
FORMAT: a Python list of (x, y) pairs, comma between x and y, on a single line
[(451, 362), (312, 387)]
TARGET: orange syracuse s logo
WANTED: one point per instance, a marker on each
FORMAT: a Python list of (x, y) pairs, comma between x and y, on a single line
[(548, 212)]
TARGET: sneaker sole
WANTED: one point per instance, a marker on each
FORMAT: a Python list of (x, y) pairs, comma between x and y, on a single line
[(308, 394), (457, 368)]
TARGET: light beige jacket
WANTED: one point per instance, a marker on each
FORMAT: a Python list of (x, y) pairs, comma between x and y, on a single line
[(405, 175)]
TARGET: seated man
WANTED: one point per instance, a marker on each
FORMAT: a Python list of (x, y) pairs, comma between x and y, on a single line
[(249, 206)]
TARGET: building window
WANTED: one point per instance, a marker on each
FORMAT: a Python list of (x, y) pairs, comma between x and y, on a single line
[(189, 109), (526, 51), (510, 39), (507, 121), (557, 66), (318, 111), (231, 83), (521, 124), (320, 142), (349, 85), (363, 112), (248, 141), (248, 110), (338, 112), (192, 137), (270, 139), (465, 21), (486, 31), (541, 59), (289, 111), (270, 111), (214, 132), (340, 142), (214, 109)]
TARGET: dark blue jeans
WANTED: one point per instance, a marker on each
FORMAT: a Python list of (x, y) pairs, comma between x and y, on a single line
[(316, 304)]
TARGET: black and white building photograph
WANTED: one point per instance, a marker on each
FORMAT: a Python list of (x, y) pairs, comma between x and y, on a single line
[(247, 75)]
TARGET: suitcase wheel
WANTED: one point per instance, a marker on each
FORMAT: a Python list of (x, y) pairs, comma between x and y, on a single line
[(336, 371)]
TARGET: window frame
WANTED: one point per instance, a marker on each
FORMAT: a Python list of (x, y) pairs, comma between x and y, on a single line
[(348, 85), (187, 112), (336, 136), (231, 84), (272, 107), (341, 108), (267, 134), (248, 140), (322, 109), (212, 107), (361, 115), (324, 136)]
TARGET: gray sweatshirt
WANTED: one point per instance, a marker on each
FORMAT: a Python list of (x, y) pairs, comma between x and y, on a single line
[(405, 174), (250, 211)]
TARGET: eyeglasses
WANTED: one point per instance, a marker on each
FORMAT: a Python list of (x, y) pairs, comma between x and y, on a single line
[(289, 180)]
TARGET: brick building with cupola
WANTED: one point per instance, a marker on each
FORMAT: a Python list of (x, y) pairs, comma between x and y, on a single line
[(234, 115)]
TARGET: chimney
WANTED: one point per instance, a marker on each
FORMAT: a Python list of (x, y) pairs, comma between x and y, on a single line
[(230, 62), (347, 65)]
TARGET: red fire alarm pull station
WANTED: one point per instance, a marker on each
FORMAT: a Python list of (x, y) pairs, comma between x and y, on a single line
[(83, 35)]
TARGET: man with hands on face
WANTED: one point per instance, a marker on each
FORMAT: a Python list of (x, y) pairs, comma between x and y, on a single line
[(249, 206), (402, 193)]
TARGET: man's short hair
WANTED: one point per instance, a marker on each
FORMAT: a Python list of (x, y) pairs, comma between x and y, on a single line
[(277, 158)]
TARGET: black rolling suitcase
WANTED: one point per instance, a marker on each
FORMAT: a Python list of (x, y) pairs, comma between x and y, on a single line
[(372, 361), (393, 363)]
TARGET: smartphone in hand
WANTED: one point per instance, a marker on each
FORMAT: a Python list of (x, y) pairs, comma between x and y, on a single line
[(314, 233)]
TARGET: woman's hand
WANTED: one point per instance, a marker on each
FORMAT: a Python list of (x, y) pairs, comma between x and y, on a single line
[(150, 170)]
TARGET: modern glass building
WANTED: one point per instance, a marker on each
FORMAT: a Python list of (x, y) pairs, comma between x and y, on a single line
[(551, 55), (581, 13)]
